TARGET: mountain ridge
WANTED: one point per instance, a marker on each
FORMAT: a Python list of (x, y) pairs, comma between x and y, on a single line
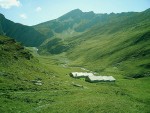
[(22, 33), (77, 22)]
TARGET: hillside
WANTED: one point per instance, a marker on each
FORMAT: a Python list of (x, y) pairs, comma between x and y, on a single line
[(25, 34), (18, 67), (120, 46), (33, 83)]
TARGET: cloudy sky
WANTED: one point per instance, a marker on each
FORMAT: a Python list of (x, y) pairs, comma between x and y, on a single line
[(31, 12)]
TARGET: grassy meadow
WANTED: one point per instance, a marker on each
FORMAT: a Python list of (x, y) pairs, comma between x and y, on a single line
[(61, 93)]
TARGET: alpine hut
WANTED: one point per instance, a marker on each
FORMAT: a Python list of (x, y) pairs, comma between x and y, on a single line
[(80, 74), (100, 79)]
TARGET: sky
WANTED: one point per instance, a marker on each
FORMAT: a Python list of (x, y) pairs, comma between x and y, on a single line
[(32, 12)]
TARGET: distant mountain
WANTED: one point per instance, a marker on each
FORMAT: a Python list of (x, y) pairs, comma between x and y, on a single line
[(70, 21), (76, 22), (24, 34), (72, 24)]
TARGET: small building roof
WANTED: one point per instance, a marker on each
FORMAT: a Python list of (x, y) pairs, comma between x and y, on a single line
[(100, 78), (81, 74), (91, 78)]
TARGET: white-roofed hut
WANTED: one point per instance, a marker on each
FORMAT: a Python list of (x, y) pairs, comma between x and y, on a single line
[(100, 79), (80, 74)]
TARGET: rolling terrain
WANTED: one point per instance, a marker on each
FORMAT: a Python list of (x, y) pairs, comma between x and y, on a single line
[(36, 80)]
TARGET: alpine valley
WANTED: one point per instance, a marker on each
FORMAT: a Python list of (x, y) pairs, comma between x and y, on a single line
[(35, 62)]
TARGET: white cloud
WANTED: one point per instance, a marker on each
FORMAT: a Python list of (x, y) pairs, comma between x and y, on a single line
[(23, 16), (9, 3), (38, 9)]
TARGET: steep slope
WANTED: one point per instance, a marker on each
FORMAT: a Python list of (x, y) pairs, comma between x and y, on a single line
[(115, 48), (24, 34)]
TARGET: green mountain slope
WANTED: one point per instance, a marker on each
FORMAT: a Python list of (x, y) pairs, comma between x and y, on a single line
[(120, 46), (18, 67), (25, 34), (22, 69), (75, 23)]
